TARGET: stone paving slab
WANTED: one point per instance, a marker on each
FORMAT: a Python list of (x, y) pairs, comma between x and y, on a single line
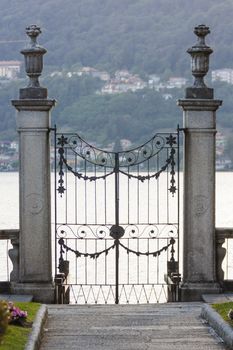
[(16, 297), (176, 326), (217, 298)]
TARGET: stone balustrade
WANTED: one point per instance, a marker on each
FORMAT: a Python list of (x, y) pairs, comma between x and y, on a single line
[(221, 235), (13, 237)]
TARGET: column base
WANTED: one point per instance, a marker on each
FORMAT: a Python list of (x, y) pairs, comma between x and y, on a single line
[(194, 291), (33, 93), (41, 292)]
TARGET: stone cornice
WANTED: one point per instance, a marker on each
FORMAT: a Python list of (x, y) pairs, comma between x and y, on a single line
[(199, 104), (33, 105)]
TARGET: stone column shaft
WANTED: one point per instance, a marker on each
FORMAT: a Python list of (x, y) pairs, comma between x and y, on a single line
[(33, 123), (199, 268), (199, 106)]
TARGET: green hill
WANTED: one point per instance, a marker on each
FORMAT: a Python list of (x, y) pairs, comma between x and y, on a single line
[(141, 35)]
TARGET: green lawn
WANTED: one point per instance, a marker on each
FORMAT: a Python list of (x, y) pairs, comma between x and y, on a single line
[(223, 309), (16, 336)]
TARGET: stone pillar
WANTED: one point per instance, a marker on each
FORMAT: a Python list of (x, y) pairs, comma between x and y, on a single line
[(199, 106), (33, 124)]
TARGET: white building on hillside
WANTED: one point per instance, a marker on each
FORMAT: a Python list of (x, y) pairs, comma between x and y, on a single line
[(176, 82), (225, 74), (9, 69), (95, 73)]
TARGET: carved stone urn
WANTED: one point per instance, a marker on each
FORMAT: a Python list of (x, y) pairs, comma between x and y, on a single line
[(33, 56), (200, 53)]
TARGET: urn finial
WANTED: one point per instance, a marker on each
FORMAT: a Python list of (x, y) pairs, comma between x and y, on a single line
[(201, 31), (33, 56), (200, 53), (33, 31)]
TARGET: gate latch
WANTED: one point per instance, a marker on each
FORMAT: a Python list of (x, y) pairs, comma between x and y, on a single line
[(117, 232)]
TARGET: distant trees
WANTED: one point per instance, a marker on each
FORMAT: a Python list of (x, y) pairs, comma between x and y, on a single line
[(105, 118), (147, 36), (134, 116)]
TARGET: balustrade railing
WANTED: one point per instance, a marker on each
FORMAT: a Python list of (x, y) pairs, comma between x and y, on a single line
[(224, 257), (9, 242), (9, 247)]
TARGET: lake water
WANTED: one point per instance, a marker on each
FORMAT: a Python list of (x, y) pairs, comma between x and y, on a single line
[(9, 208)]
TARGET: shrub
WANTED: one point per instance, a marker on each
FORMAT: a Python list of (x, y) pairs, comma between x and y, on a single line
[(4, 318)]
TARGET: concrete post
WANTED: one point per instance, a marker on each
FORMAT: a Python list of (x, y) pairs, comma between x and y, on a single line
[(199, 258), (33, 124)]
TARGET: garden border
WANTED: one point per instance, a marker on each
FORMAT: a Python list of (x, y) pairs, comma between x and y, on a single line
[(35, 337), (222, 328)]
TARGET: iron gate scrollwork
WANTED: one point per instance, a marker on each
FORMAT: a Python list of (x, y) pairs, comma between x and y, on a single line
[(117, 218)]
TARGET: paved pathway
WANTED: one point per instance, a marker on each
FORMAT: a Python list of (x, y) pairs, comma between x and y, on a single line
[(135, 327)]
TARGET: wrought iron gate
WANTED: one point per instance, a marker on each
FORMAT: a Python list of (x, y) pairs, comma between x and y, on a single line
[(117, 219)]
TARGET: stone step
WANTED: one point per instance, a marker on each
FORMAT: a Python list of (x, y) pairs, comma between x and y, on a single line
[(174, 326)]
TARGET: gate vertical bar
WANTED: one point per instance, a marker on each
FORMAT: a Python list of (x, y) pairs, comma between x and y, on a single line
[(178, 169), (178, 203), (55, 196), (116, 170)]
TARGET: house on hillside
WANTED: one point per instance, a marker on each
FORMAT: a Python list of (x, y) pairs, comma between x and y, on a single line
[(9, 69), (225, 74), (176, 82), (221, 142), (153, 81), (123, 82), (9, 146), (95, 73)]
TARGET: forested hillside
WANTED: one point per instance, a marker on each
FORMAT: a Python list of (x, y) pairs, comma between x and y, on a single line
[(142, 36)]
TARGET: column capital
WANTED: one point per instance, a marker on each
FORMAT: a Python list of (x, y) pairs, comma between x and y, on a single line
[(199, 104), (33, 115), (33, 104)]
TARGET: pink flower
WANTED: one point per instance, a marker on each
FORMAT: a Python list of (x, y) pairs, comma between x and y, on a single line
[(15, 312)]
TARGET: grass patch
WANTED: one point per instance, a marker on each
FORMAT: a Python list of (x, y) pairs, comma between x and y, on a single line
[(223, 309), (16, 336)]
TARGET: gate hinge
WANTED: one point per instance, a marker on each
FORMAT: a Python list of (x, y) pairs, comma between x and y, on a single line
[(182, 129)]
